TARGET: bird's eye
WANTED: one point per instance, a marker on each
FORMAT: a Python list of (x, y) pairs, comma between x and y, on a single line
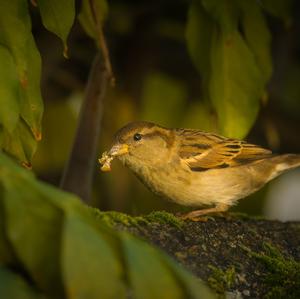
[(137, 137)]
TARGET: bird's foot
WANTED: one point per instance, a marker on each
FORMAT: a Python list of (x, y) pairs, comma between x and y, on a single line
[(200, 215), (189, 217)]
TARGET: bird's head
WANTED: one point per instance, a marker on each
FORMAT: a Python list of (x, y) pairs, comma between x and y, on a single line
[(140, 143)]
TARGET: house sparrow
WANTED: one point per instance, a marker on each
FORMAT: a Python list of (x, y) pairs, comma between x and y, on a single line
[(194, 168)]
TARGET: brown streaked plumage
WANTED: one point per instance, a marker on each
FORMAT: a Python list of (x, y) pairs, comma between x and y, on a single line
[(195, 168)]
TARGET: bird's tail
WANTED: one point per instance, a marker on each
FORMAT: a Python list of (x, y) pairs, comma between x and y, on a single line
[(286, 162)]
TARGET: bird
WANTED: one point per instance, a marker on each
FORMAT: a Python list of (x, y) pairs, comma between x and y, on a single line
[(193, 168)]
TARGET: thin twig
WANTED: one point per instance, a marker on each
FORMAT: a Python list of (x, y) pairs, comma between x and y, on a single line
[(34, 3), (102, 42)]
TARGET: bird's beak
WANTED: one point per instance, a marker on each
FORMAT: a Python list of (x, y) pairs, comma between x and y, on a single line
[(118, 150)]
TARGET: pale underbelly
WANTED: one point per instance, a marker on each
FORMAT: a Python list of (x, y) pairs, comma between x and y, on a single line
[(204, 188)]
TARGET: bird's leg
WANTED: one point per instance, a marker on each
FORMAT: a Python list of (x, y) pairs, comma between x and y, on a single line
[(196, 215)]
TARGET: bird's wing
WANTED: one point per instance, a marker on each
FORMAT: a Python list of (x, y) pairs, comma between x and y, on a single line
[(202, 151)]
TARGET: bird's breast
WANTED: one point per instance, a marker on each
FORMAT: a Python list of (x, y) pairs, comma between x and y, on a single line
[(169, 181)]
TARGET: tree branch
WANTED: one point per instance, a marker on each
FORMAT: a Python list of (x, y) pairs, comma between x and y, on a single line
[(78, 173), (101, 42), (237, 255)]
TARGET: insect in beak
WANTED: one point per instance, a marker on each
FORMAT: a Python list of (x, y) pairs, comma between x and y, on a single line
[(116, 150)]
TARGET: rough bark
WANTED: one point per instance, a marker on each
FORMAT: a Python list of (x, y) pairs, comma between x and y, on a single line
[(239, 256)]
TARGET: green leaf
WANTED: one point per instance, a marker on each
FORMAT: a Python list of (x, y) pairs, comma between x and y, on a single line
[(257, 36), (86, 17), (235, 66), (9, 91), (13, 286), (163, 99), (20, 143), (199, 30), (65, 252), (97, 271), (6, 255), (195, 289), (225, 13), (143, 264), (31, 100), (236, 84), (58, 17), (24, 65), (33, 227), (16, 36)]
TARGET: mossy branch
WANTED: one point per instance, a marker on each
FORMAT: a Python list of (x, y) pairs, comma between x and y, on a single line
[(237, 256)]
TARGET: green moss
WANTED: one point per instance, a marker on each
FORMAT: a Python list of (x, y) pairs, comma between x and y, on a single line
[(113, 218), (164, 218), (221, 280), (283, 273)]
